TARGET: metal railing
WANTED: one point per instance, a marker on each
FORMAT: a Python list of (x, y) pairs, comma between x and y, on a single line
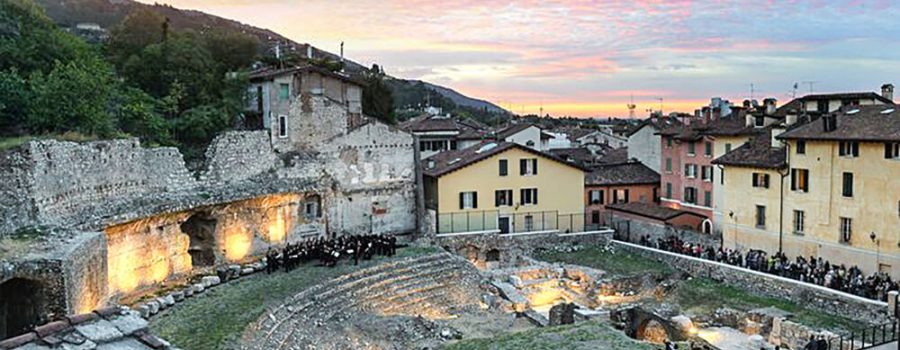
[(867, 338), (509, 223)]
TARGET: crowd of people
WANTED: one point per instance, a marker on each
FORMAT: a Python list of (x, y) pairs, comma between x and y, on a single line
[(811, 270), (330, 251)]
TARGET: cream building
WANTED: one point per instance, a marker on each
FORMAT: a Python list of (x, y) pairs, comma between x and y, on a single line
[(503, 187), (841, 193)]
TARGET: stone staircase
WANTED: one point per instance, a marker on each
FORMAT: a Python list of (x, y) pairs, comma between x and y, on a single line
[(433, 286)]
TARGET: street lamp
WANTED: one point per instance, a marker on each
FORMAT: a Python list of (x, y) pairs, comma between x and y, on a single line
[(877, 250)]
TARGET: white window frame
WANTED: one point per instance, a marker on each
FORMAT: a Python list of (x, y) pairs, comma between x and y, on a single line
[(594, 197), (846, 230), (282, 126), (468, 200), (529, 166), (528, 198), (799, 222), (706, 173), (690, 171)]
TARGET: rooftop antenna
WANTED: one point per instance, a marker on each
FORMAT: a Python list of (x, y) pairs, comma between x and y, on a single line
[(751, 91), (660, 106), (342, 56), (631, 107), (794, 90), (809, 83), (542, 109)]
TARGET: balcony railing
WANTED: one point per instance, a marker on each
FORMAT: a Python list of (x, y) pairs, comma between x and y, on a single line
[(513, 223)]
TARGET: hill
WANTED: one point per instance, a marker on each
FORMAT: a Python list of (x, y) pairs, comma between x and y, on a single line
[(109, 13)]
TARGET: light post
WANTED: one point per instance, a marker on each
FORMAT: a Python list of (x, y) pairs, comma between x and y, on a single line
[(877, 250)]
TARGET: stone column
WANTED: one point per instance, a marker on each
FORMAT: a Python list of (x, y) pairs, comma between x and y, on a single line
[(892, 303)]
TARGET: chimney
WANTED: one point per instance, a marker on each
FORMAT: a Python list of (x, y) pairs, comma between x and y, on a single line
[(771, 105), (309, 51), (887, 91), (749, 120), (746, 104), (775, 132), (791, 117)]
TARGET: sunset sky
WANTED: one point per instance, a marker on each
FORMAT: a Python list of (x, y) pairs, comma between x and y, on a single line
[(587, 58)]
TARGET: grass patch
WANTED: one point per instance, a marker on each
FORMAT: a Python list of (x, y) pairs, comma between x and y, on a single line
[(704, 296), (583, 335), (218, 317), (616, 263)]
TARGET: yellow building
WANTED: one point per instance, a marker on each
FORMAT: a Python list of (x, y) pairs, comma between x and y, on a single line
[(841, 190), (503, 187)]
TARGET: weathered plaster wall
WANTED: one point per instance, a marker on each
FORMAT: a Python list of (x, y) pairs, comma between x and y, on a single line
[(239, 155)]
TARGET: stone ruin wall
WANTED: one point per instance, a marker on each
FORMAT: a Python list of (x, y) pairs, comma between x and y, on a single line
[(239, 156), (372, 167), (86, 271), (146, 252), (16, 207)]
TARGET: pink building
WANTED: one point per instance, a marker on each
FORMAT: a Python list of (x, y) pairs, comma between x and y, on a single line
[(686, 172)]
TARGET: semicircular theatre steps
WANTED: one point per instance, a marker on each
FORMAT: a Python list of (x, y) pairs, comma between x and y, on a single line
[(436, 285)]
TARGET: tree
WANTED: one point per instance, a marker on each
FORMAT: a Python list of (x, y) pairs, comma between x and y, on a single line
[(233, 50), (73, 96), (13, 96), (137, 114), (30, 42), (377, 100), (180, 59), (140, 29)]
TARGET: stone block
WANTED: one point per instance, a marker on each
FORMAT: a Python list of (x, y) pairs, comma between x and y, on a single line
[(177, 296), (198, 288), (893, 301), (101, 331), (169, 300), (124, 344), (153, 306), (516, 281), (209, 281), (130, 323), (143, 310), (85, 345), (162, 303), (188, 292), (247, 271)]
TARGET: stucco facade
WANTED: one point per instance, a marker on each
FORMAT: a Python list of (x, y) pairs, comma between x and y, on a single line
[(645, 146), (722, 145), (682, 172), (596, 198), (560, 189)]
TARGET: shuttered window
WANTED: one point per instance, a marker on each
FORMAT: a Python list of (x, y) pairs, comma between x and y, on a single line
[(468, 200)]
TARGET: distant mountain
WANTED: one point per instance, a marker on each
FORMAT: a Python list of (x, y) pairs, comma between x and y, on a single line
[(464, 100), (108, 13)]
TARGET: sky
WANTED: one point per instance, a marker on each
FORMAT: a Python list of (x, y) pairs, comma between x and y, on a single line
[(591, 58)]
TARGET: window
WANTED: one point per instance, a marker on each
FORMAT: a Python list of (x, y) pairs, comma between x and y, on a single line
[(849, 149), (760, 121), (529, 223), (282, 126), (846, 229), (436, 146), (706, 173), (596, 196), (892, 150), (800, 180), (311, 209), (690, 195), (284, 92), (722, 177), (727, 147), (691, 148), (690, 170), (801, 147), (760, 180), (668, 142), (848, 185), (503, 198), (668, 190), (620, 196), (595, 217), (468, 200), (799, 221), (708, 152), (761, 216), (528, 166), (453, 144), (504, 167), (822, 106), (529, 196), (669, 165), (707, 199)]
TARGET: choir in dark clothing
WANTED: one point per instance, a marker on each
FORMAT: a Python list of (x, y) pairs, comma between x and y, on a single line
[(812, 270), (329, 251)]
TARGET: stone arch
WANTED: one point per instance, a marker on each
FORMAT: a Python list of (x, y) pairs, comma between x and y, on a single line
[(492, 255), (706, 226), (201, 229), (22, 306)]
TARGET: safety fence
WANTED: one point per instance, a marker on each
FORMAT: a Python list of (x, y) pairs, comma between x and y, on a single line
[(508, 223), (867, 338)]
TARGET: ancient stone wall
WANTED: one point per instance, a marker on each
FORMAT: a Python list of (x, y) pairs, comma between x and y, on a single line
[(238, 156), (85, 272), (631, 230), (313, 119), (16, 205), (830, 301), (495, 250)]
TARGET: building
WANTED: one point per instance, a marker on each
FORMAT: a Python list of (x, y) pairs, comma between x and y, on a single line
[(525, 134), (503, 187), (438, 133), (826, 103), (842, 192), (644, 141), (617, 184), (280, 101)]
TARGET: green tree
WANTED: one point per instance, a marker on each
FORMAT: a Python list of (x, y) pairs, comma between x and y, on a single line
[(233, 50), (13, 96), (137, 114), (376, 99), (31, 42), (181, 59), (140, 29), (73, 96)]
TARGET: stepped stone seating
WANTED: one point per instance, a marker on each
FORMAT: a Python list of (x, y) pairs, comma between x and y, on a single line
[(436, 286)]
